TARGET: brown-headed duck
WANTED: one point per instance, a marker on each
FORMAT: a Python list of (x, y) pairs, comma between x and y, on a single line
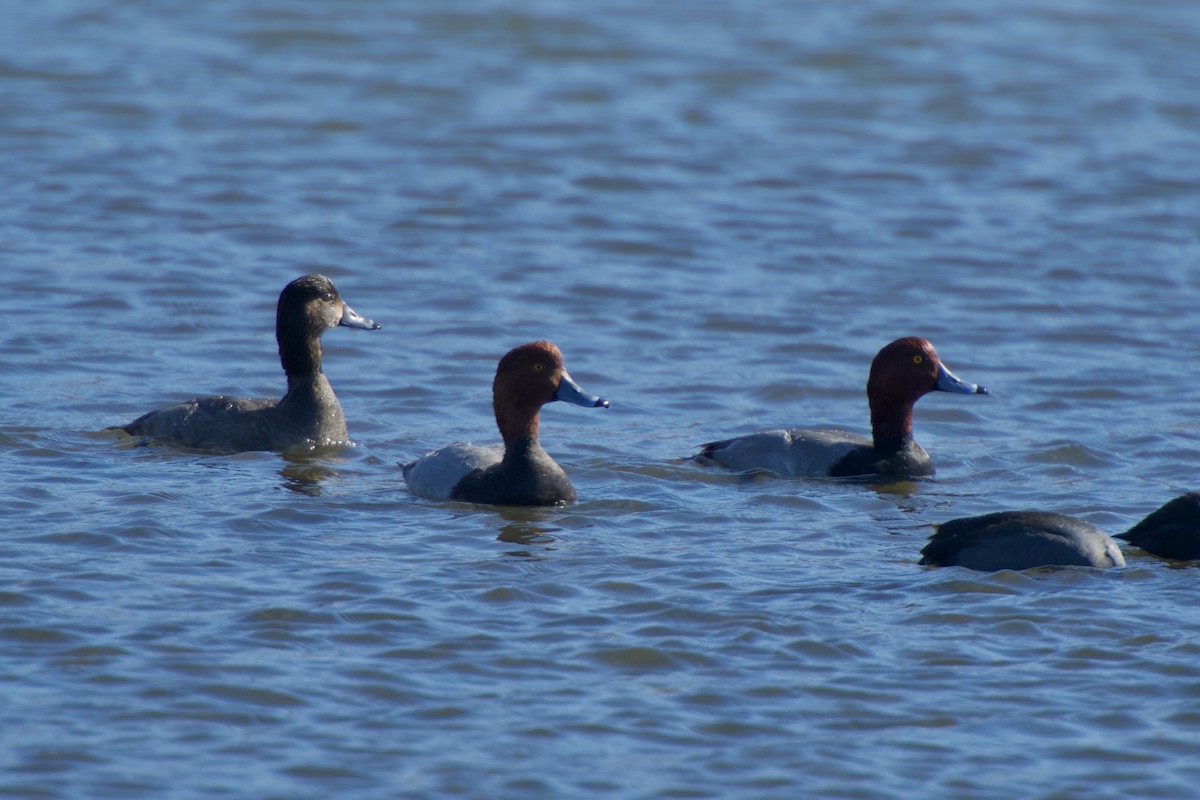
[(520, 472), (1020, 540), (901, 373), (308, 416)]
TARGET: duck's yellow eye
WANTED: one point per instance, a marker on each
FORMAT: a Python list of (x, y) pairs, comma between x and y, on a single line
[(918, 359), (539, 367)]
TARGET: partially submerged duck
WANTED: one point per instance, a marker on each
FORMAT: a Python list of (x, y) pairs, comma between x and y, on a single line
[(1020, 540), (1173, 531), (1025, 539)]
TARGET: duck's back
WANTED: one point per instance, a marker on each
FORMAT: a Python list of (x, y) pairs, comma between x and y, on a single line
[(233, 423), (244, 423), (1020, 540), (792, 453)]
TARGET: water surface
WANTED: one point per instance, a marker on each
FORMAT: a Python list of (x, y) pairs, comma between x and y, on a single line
[(719, 212)]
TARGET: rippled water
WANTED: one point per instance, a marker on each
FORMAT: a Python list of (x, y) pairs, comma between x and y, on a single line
[(719, 211)]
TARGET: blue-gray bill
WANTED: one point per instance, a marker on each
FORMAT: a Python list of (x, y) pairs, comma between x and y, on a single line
[(569, 391), (352, 319), (947, 381)]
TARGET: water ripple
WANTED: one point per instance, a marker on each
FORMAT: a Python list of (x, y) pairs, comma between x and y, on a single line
[(719, 217)]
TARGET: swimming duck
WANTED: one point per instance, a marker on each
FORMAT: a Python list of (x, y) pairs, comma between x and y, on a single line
[(901, 373), (1020, 540), (309, 415), (520, 472)]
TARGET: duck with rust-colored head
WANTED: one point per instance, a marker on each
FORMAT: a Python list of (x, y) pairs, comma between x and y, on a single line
[(308, 416), (901, 374), (519, 472)]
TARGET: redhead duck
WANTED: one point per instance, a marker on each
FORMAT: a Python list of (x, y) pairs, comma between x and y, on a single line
[(901, 373), (309, 415), (1172, 531), (1020, 540), (520, 473)]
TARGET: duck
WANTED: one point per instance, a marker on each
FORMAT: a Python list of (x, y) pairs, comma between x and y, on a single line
[(1020, 540), (518, 472), (1173, 531), (308, 416), (902, 372)]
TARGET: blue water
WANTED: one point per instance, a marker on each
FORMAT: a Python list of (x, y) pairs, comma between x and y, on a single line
[(719, 212)]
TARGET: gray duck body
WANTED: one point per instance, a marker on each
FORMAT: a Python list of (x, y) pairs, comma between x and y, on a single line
[(1020, 540), (308, 415)]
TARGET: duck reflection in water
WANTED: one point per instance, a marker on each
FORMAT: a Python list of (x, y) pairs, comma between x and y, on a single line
[(527, 525), (304, 476)]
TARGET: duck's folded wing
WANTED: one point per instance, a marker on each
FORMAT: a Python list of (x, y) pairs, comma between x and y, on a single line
[(434, 475), (792, 453)]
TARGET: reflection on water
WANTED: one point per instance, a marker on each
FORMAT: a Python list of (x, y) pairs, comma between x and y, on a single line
[(304, 475), (525, 533), (896, 488), (531, 527)]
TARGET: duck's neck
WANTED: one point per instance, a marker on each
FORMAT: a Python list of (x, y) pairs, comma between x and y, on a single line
[(522, 450), (309, 392), (312, 385), (518, 426), (891, 427), (301, 360)]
